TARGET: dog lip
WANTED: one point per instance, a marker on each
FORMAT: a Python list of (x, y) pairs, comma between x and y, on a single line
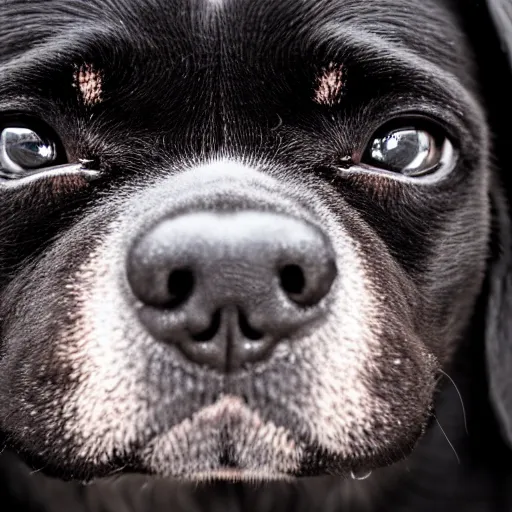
[(239, 475)]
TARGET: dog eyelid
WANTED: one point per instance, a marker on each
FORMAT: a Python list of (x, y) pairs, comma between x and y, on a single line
[(51, 172)]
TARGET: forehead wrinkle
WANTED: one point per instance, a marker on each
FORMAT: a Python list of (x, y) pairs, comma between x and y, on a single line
[(377, 52), (417, 24), (381, 57), (375, 44), (71, 47)]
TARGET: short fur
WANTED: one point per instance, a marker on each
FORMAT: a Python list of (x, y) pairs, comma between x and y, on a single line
[(184, 105)]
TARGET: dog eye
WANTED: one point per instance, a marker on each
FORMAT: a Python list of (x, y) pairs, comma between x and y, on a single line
[(409, 151), (23, 151)]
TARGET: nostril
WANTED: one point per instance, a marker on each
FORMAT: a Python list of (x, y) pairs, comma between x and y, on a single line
[(180, 285), (209, 333), (292, 280), (308, 284), (247, 330)]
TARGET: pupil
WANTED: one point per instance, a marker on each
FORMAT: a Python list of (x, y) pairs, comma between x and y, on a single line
[(404, 150), (26, 149)]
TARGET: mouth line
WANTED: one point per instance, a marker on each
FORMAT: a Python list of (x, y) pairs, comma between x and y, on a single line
[(222, 473), (239, 475)]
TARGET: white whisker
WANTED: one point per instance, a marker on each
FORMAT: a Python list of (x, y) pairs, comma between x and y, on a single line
[(461, 401), (449, 442)]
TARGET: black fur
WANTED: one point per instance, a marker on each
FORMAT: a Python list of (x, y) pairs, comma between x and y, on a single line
[(183, 82)]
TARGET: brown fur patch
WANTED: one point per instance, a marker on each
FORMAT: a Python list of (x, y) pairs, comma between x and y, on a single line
[(330, 84), (89, 80)]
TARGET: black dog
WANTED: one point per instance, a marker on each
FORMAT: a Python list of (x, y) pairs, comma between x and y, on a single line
[(246, 240)]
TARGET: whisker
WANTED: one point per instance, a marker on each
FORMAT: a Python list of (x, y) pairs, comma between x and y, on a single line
[(34, 471), (461, 401), (449, 442), (279, 122), (116, 473)]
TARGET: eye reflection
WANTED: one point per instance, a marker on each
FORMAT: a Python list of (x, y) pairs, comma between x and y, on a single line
[(22, 150), (408, 151)]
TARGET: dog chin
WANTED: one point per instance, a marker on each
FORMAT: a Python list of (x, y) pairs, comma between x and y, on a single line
[(229, 441), (226, 440)]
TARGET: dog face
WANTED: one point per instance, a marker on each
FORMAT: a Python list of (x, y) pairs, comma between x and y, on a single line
[(238, 239)]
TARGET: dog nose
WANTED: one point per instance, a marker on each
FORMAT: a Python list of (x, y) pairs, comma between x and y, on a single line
[(226, 287)]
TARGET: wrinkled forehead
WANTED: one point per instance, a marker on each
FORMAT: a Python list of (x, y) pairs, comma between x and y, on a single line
[(212, 36)]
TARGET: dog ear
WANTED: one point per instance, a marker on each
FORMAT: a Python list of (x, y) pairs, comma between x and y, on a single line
[(499, 314), (497, 79), (501, 15)]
